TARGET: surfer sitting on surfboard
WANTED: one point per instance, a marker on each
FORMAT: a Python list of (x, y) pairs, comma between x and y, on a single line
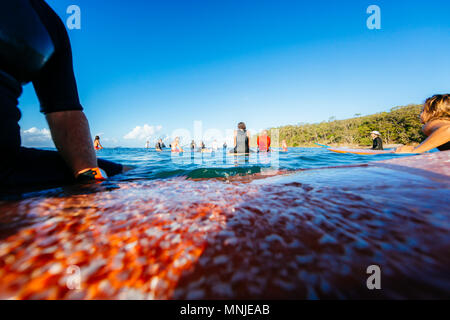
[(202, 147), (160, 145), (176, 145), (97, 144), (241, 139), (436, 119), (377, 142), (284, 146), (35, 47)]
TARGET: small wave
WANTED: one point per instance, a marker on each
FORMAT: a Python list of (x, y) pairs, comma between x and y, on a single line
[(205, 173)]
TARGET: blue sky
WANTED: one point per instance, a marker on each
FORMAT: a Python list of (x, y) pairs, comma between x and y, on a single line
[(161, 65)]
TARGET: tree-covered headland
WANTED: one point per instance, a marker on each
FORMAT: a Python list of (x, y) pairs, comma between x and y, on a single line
[(401, 125)]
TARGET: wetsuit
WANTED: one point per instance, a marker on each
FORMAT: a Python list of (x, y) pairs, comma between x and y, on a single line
[(377, 144), (444, 147), (242, 143), (34, 47)]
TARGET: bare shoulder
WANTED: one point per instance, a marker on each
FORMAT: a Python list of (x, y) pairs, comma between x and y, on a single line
[(436, 124)]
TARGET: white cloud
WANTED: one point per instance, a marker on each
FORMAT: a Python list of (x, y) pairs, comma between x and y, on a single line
[(36, 137), (113, 140), (141, 133)]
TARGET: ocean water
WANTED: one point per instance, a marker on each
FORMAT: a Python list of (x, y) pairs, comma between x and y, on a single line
[(150, 164)]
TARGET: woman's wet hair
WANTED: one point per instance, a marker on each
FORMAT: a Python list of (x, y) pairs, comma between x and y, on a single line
[(436, 107), (97, 138), (242, 126)]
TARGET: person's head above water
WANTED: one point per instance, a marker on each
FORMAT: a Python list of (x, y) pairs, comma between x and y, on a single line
[(436, 107), (241, 125)]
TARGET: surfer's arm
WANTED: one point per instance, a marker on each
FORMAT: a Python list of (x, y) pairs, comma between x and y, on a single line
[(437, 138), (71, 135)]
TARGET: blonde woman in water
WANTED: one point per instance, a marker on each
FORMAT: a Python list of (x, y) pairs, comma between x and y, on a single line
[(435, 117)]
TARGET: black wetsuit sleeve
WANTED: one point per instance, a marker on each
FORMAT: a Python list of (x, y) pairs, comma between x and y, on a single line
[(55, 85), (444, 147)]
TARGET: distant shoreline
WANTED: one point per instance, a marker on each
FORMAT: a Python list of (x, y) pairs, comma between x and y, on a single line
[(399, 126)]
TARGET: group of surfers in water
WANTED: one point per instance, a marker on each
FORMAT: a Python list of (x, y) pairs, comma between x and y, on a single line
[(241, 143), (36, 49), (435, 117)]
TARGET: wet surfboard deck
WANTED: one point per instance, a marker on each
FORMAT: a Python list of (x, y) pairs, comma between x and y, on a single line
[(306, 235)]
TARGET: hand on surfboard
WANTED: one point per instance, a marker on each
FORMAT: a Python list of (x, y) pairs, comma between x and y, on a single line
[(405, 149)]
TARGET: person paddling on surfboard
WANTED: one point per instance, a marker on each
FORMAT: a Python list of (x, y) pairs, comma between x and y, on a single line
[(241, 139), (35, 47), (377, 142), (435, 117)]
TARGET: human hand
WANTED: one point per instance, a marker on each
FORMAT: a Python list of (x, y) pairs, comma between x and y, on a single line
[(405, 149)]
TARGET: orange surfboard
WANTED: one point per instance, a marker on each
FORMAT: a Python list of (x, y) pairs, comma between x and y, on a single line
[(360, 151)]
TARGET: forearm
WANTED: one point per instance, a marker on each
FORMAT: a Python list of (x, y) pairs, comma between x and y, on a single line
[(71, 135), (436, 139)]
